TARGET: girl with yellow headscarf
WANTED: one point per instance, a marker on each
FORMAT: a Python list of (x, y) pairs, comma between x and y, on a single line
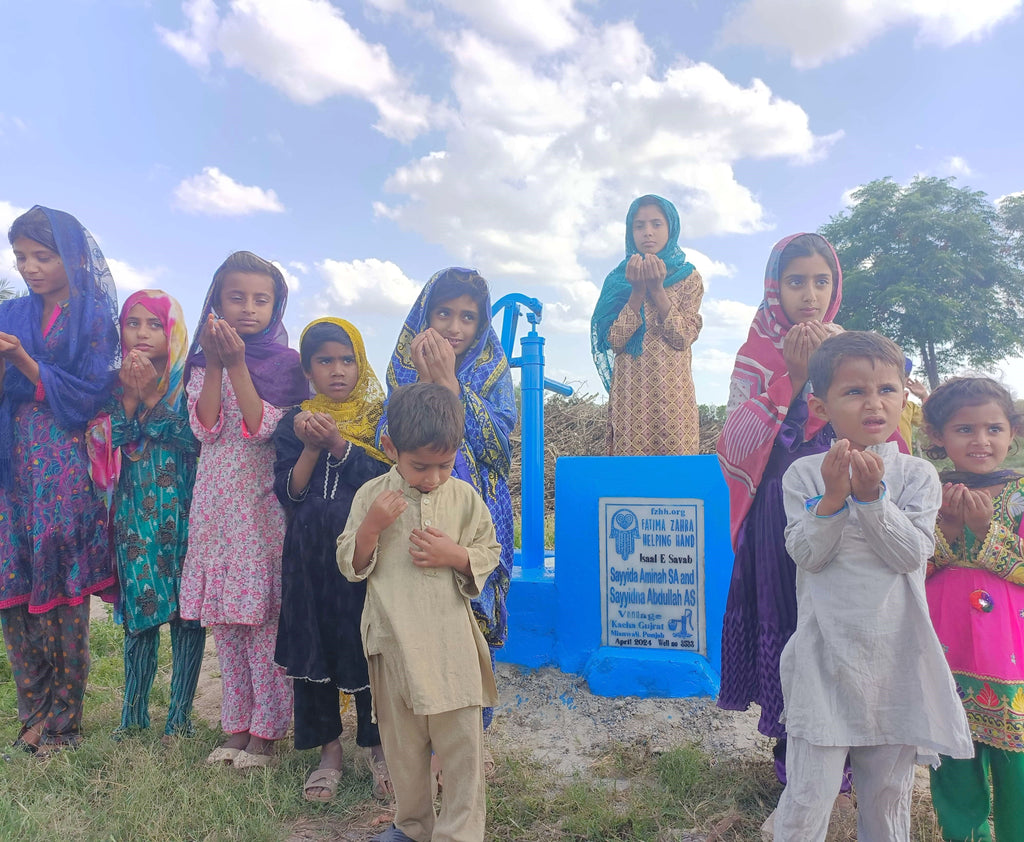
[(325, 452)]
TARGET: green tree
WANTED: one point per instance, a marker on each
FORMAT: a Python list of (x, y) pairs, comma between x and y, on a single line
[(933, 267), (6, 290)]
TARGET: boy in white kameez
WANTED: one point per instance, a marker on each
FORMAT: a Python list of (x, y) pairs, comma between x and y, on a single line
[(863, 673), (425, 545)]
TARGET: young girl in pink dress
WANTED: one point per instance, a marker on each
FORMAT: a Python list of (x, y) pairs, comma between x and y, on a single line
[(242, 377), (976, 597)]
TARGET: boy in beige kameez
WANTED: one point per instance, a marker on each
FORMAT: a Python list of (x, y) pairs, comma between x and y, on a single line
[(425, 546)]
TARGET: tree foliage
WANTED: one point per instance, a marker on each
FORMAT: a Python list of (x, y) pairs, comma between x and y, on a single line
[(935, 267)]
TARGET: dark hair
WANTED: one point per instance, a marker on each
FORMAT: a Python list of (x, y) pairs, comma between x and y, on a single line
[(808, 245), (649, 199), (958, 392), (35, 225), (425, 415), (318, 335), (856, 344), (245, 261), (454, 283)]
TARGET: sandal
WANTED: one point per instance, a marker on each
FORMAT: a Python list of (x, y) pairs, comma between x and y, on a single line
[(322, 779), (222, 756), (244, 760), (382, 788)]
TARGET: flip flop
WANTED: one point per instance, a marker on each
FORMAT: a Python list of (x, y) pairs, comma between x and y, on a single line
[(392, 834), (222, 756), (322, 779), (244, 760)]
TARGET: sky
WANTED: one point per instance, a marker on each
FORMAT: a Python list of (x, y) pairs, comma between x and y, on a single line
[(362, 146)]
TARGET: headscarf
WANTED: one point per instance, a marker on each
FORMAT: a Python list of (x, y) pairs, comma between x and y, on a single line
[(753, 418), (358, 416), (171, 385), (616, 289), (484, 370), (78, 372), (274, 367)]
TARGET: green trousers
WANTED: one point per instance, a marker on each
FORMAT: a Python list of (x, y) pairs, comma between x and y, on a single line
[(140, 662), (963, 795)]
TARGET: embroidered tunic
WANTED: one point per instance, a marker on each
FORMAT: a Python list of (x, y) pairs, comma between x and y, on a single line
[(151, 512), (985, 649), (652, 404)]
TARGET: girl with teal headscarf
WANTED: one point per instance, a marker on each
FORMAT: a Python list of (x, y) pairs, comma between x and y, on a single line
[(640, 335)]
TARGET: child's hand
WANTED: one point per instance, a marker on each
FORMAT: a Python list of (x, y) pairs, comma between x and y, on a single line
[(796, 351), (302, 432), (208, 342), (917, 388), (384, 511), (835, 471), (434, 359), (654, 272), (324, 427), (951, 512), (127, 378), (635, 276), (145, 377), (432, 548), (867, 470), (977, 511), (10, 346), (230, 346)]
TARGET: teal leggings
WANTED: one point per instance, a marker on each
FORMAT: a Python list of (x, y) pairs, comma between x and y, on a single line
[(963, 796), (140, 662)]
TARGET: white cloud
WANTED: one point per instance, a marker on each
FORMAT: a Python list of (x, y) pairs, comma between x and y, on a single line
[(304, 48), (213, 192), (545, 25), (1001, 199), (813, 32), (847, 200), (128, 278), (955, 165), (532, 181), (291, 280), (376, 286)]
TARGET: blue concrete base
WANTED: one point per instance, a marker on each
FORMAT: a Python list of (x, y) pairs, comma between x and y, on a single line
[(658, 673), (532, 608), (555, 612)]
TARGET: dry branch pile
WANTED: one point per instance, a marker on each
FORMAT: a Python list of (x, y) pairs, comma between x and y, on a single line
[(576, 426)]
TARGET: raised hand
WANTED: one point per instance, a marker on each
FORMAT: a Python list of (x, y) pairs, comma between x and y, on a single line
[(230, 346), (951, 512), (835, 471), (208, 342), (325, 429), (433, 548), (796, 351), (10, 346), (302, 432), (146, 378), (635, 276), (977, 512), (867, 470), (654, 273), (384, 511)]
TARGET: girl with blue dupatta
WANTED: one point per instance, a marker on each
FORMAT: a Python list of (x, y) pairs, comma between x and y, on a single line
[(646, 319), (150, 427), (58, 354), (447, 338)]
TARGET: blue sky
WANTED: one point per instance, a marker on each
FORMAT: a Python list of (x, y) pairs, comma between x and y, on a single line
[(364, 145)]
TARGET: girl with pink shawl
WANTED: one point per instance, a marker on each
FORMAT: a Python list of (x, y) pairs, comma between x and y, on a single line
[(767, 428)]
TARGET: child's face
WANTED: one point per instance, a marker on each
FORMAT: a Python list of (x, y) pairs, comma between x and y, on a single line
[(333, 370), (247, 302), (976, 438), (650, 229), (458, 322), (805, 289), (864, 401), (424, 468), (42, 269), (144, 332)]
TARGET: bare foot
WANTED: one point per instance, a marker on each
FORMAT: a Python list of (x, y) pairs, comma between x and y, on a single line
[(383, 789), (258, 745), (239, 740)]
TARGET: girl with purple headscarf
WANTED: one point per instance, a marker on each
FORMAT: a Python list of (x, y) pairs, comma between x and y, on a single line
[(241, 379), (58, 352)]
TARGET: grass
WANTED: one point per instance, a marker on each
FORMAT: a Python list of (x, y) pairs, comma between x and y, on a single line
[(549, 532), (139, 790)]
